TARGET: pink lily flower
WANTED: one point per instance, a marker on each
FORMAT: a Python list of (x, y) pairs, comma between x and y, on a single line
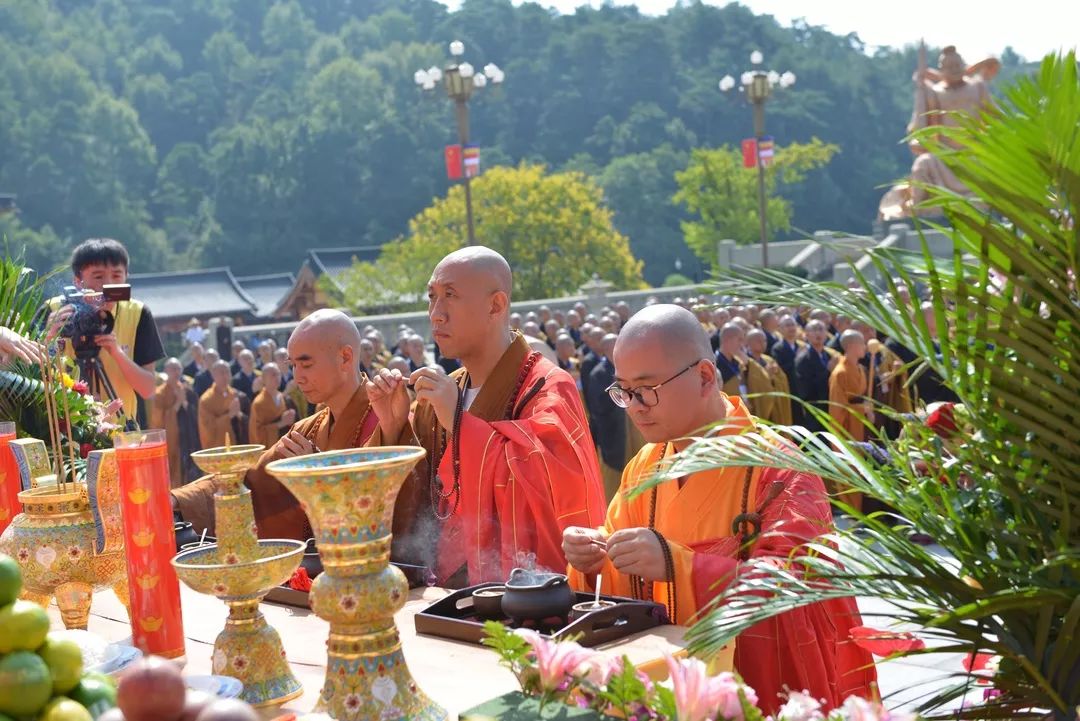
[(801, 706), (556, 662), (699, 697)]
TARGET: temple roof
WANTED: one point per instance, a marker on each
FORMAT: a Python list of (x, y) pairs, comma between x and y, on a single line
[(192, 294), (267, 291), (334, 261)]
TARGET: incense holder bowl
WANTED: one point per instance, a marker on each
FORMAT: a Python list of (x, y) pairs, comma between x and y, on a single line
[(249, 648), (70, 543), (349, 498), (240, 570)]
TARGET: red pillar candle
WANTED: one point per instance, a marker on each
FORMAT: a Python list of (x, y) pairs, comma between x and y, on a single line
[(10, 484), (149, 543)]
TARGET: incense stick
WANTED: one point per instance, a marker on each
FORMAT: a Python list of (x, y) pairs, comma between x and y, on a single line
[(50, 412), (228, 441), (71, 443)]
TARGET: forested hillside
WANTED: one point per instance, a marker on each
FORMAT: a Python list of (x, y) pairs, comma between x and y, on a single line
[(240, 132)]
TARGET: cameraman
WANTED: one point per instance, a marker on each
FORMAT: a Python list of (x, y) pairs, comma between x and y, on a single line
[(134, 345)]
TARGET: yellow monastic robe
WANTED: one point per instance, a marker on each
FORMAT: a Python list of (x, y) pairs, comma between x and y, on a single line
[(766, 376), (163, 415), (898, 396), (782, 406), (266, 412), (758, 381), (214, 418), (847, 389)]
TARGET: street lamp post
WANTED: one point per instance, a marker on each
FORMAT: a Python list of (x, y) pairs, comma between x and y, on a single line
[(758, 84), (461, 80)]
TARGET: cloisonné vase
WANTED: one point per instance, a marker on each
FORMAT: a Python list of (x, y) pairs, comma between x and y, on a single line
[(349, 498), (240, 570), (69, 541)]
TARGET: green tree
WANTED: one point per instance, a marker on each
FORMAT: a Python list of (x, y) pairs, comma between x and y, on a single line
[(552, 228), (724, 195)]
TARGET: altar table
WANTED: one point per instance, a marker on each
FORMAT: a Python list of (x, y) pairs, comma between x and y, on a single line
[(456, 675)]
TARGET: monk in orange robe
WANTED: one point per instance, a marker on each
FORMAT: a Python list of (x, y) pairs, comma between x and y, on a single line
[(848, 387), (271, 411), (175, 408), (670, 386), (221, 410), (511, 460), (324, 352)]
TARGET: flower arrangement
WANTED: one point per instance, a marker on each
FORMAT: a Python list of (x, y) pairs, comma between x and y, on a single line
[(563, 672)]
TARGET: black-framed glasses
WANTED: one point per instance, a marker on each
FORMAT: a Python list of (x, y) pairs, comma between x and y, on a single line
[(645, 395)]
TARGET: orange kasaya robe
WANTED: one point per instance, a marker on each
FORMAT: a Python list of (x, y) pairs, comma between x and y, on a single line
[(806, 648), (528, 470), (847, 388), (167, 400), (266, 412), (215, 420)]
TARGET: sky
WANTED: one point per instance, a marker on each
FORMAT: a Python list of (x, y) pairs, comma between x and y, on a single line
[(1032, 27)]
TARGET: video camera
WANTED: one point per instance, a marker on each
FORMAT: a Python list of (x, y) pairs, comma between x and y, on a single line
[(91, 318)]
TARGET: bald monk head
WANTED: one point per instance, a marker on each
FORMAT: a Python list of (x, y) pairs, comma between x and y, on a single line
[(853, 344), (469, 305), (173, 370), (665, 345), (222, 375), (271, 377), (731, 339), (756, 342), (324, 350)]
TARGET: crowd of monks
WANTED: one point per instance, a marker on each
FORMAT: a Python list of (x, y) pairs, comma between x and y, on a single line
[(538, 427)]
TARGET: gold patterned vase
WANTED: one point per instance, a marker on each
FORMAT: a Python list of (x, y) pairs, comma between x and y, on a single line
[(349, 498), (70, 543), (240, 569)]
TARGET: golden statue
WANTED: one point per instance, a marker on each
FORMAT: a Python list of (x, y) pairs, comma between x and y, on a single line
[(952, 87)]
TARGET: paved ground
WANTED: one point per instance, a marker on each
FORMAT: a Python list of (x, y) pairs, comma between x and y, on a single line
[(908, 681)]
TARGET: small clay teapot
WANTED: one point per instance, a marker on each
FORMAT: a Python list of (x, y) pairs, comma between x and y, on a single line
[(185, 534), (535, 595), (312, 562)]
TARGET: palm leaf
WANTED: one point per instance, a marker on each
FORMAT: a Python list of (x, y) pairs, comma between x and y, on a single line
[(1006, 510)]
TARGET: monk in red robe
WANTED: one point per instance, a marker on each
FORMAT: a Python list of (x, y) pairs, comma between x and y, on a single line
[(511, 462), (665, 377)]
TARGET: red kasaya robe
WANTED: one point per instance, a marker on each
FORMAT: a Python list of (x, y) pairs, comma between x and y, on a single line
[(528, 470), (807, 648)]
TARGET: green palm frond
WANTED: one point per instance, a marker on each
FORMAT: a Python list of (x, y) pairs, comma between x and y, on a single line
[(1005, 502)]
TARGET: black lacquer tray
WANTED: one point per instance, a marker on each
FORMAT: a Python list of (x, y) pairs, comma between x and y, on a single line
[(417, 576), (453, 617)]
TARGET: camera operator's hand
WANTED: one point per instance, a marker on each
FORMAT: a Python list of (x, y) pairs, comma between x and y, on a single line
[(13, 345), (56, 321), (108, 342)]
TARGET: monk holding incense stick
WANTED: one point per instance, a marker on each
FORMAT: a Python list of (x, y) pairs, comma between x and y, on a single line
[(684, 541), (511, 461)]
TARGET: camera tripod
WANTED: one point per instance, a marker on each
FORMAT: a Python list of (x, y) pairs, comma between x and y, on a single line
[(97, 380)]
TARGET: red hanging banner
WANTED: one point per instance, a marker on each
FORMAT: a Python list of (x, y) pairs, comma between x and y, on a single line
[(453, 162), (749, 153)]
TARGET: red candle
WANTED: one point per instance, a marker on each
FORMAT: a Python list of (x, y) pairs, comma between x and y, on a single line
[(149, 543), (10, 485)]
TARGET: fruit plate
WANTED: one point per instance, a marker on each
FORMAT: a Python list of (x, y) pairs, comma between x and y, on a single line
[(127, 655), (220, 686)]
